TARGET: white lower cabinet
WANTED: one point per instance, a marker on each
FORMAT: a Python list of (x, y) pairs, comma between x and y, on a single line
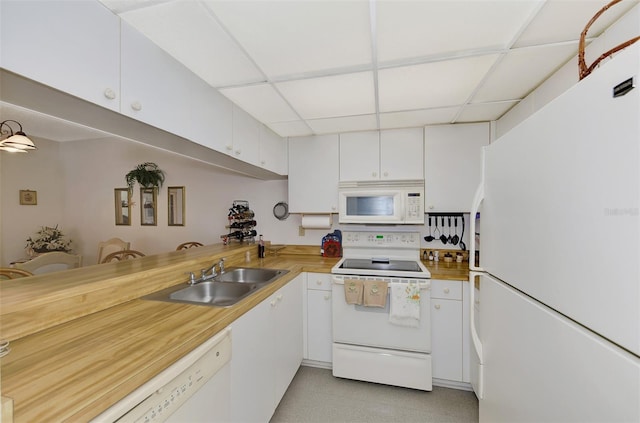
[(266, 353), (449, 339), (319, 335), (287, 319)]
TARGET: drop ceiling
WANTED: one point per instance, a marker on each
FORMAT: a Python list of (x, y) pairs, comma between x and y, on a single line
[(313, 67)]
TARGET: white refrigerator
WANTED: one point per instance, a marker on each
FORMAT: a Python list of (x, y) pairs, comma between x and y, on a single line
[(556, 336)]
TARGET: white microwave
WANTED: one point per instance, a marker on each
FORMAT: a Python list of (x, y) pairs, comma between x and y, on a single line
[(381, 202)]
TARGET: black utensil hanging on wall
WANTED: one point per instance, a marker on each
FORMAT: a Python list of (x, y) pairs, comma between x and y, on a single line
[(430, 237), (443, 237), (455, 238), (463, 247)]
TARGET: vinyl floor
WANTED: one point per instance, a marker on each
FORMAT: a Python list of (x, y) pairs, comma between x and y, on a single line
[(316, 396)]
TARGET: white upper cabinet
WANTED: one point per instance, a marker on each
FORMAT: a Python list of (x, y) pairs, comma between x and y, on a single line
[(453, 155), (273, 151), (73, 46), (83, 49), (395, 154), (211, 117), (313, 174), (401, 154), (360, 156), (155, 86), (246, 137)]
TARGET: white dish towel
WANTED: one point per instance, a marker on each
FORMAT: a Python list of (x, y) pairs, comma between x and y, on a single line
[(404, 307)]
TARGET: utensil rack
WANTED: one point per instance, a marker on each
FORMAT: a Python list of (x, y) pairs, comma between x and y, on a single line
[(241, 226), (458, 241)]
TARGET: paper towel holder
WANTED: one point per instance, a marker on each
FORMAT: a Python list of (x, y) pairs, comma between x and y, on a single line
[(281, 210), (317, 221)]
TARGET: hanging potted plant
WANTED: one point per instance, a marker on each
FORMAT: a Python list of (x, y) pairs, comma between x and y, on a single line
[(147, 174)]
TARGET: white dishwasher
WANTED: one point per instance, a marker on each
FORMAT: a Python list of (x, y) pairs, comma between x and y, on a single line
[(194, 389)]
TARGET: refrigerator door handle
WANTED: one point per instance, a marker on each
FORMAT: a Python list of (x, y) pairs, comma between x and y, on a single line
[(475, 339), (477, 199)]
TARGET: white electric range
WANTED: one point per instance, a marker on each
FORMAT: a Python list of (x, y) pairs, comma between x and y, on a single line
[(366, 345)]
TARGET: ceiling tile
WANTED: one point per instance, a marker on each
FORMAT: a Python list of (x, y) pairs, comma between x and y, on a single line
[(261, 101), (121, 6), (343, 124), (438, 84), (522, 70), (293, 37), (426, 28), (562, 20), (331, 96), (196, 40), (416, 118), (484, 112), (290, 129)]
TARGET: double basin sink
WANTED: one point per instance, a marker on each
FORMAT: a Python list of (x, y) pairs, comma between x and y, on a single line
[(223, 290)]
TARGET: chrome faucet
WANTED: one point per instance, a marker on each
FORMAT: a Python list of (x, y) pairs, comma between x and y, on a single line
[(203, 273), (212, 269)]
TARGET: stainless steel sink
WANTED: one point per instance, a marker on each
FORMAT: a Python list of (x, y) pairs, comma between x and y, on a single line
[(223, 291), (221, 294), (250, 275)]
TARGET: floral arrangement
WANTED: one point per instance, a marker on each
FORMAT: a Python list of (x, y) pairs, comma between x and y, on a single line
[(48, 239)]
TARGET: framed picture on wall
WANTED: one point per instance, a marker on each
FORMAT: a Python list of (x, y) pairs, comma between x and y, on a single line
[(176, 202), (148, 206), (28, 197), (123, 206)]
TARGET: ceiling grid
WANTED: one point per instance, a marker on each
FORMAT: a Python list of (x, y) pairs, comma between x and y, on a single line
[(305, 67)]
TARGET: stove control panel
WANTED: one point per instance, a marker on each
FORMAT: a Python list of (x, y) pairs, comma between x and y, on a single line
[(381, 239)]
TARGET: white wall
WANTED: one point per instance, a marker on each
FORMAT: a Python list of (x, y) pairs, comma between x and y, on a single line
[(38, 171), (75, 183)]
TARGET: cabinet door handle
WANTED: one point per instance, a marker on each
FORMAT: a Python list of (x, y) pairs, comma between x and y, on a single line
[(446, 290), (136, 105), (273, 303), (386, 174), (318, 282), (279, 297), (228, 147), (109, 93), (327, 297), (374, 174), (238, 152), (437, 306)]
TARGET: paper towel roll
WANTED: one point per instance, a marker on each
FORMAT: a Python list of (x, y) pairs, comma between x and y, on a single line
[(316, 221)]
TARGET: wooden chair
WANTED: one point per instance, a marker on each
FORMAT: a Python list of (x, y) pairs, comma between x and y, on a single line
[(190, 244), (111, 246), (13, 273), (122, 255), (51, 262)]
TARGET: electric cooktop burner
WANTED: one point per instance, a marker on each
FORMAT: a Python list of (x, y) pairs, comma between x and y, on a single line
[(372, 264)]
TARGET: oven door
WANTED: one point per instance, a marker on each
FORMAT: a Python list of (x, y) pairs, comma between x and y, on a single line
[(370, 326)]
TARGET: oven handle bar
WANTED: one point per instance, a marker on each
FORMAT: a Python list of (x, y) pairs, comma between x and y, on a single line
[(340, 281)]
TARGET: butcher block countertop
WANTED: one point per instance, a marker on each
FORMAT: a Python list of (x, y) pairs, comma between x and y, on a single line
[(81, 340), (448, 271)]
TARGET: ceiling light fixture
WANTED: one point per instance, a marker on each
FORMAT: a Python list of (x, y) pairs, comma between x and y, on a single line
[(15, 142)]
